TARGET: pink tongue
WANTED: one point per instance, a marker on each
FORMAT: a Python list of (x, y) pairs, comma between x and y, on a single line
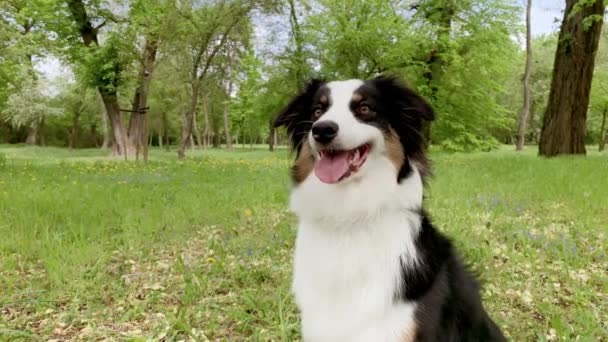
[(330, 169)]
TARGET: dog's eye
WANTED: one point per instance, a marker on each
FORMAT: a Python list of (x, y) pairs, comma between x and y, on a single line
[(317, 113), (364, 110)]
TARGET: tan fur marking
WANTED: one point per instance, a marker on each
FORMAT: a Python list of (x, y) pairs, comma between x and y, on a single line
[(409, 333), (357, 97), (394, 149), (323, 99), (305, 163)]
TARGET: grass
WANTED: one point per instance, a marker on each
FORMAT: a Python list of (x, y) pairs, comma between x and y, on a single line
[(93, 247)]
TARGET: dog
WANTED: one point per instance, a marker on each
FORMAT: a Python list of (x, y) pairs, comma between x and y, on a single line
[(369, 265)]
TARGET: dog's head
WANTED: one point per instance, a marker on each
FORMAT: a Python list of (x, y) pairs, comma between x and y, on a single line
[(340, 129)]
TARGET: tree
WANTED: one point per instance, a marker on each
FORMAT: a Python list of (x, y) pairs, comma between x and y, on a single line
[(103, 67), (80, 105), (207, 31), (597, 124), (564, 123), (29, 108), (150, 21), (525, 112), (25, 40)]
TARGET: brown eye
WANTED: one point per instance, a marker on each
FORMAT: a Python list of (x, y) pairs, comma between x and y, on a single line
[(364, 110), (317, 113)]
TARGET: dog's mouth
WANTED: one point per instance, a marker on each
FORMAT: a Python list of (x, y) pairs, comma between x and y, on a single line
[(336, 165)]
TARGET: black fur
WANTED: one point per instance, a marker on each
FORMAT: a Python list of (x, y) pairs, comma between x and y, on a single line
[(404, 110), (297, 116), (449, 304)]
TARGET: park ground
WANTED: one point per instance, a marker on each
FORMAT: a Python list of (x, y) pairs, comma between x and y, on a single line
[(93, 247)]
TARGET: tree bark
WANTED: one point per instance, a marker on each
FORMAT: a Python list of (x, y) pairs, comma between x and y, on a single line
[(120, 143), (563, 129), (165, 129), (206, 119), (75, 130), (227, 119), (138, 121), (189, 119), (525, 112), (197, 133), (88, 33), (272, 138), (106, 132), (32, 133), (602, 143), (42, 133)]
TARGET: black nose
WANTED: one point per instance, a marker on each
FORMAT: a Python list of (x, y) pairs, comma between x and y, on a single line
[(324, 131)]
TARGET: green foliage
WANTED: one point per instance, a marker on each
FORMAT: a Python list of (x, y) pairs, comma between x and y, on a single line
[(361, 39), (28, 107), (463, 56), (247, 116), (104, 66)]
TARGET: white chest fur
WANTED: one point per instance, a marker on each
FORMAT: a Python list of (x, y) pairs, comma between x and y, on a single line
[(345, 283), (347, 259)]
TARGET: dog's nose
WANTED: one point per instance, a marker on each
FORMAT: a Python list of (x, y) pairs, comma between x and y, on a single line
[(324, 131)]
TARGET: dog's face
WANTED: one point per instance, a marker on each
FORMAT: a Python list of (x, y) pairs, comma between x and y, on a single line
[(340, 129)]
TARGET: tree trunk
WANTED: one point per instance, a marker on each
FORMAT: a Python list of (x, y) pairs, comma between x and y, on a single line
[(215, 139), (275, 137), (441, 15), (602, 143), (197, 133), (525, 112), (106, 132), (75, 130), (165, 130), (563, 129), (138, 121), (227, 119), (88, 34), (271, 139), (206, 141), (42, 133), (120, 141), (32, 133), (198, 76), (189, 119)]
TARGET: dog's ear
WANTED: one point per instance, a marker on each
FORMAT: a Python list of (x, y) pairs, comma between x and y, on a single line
[(299, 105), (409, 103), (296, 116)]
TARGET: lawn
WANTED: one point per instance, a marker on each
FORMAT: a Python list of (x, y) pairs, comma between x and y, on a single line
[(93, 247)]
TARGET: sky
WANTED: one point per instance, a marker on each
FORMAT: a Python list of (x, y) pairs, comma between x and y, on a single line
[(546, 17)]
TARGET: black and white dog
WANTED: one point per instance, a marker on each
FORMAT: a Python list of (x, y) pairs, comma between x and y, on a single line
[(369, 265)]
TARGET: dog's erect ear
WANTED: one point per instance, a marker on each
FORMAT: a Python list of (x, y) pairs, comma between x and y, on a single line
[(409, 102), (297, 115)]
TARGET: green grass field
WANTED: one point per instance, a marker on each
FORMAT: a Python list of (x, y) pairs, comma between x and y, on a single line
[(92, 247)]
